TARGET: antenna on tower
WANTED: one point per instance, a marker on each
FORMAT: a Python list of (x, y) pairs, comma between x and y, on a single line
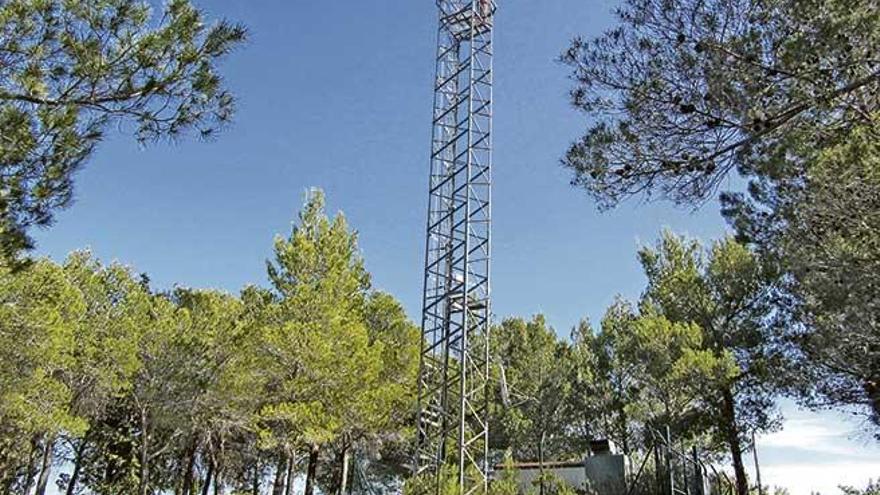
[(453, 422)]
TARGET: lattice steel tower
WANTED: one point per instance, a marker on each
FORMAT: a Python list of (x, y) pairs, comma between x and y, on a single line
[(453, 380)]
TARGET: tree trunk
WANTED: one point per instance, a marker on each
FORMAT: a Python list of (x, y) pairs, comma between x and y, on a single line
[(178, 473), (343, 475), (30, 472), (670, 476), (541, 462), (218, 481), (45, 466), (291, 465), (732, 434), (144, 473), (310, 473), (256, 487), (4, 478), (658, 472), (189, 469), (872, 389), (624, 434), (206, 486), (77, 466), (757, 465), (7, 485), (217, 458), (587, 432), (280, 475)]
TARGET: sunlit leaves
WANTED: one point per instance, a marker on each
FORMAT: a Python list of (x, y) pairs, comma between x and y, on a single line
[(343, 358), (538, 369)]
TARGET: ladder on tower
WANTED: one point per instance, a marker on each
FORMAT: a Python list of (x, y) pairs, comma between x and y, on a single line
[(452, 424)]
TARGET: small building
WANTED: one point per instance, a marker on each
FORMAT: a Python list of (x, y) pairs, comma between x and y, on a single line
[(603, 472)]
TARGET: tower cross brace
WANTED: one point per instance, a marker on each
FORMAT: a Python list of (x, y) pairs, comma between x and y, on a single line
[(452, 424)]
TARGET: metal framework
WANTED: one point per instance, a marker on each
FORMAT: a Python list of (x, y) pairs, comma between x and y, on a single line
[(452, 420)]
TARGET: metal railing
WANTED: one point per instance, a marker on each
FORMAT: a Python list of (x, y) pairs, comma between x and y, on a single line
[(677, 471)]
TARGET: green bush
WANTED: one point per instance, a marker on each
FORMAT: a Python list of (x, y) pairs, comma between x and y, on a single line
[(873, 488)]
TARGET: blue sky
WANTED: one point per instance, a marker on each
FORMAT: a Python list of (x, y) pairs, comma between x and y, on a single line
[(337, 95)]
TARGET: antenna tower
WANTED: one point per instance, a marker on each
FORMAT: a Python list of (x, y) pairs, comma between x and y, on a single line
[(453, 387)]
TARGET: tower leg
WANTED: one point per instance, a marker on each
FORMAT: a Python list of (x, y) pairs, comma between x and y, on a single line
[(454, 371)]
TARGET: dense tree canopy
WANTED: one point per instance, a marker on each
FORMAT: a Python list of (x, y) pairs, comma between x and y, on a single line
[(121, 389), (140, 392), (681, 92), (727, 293), (695, 355), (604, 391), (823, 231), (334, 379), (108, 386), (537, 370)]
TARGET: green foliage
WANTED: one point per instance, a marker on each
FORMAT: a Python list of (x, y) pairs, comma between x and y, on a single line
[(506, 482), (537, 371), (873, 488), (445, 482), (726, 293), (695, 355), (342, 358), (148, 392), (72, 335), (69, 70), (681, 92), (675, 372), (823, 232), (605, 388), (552, 485), (39, 309), (321, 333)]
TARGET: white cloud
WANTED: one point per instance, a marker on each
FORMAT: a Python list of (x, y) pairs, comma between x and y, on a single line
[(818, 452), (804, 479), (820, 433)]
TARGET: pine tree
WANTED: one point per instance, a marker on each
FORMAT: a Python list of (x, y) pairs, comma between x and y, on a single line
[(726, 292), (70, 70)]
